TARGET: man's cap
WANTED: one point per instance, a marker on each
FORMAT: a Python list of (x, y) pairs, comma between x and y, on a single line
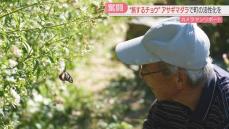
[(181, 44)]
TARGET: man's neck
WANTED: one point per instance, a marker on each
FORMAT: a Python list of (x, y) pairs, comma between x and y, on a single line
[(190, 96)]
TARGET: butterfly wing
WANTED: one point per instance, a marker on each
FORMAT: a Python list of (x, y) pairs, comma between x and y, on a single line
[(65, 76)]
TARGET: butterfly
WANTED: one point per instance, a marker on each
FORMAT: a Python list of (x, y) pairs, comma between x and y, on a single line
[(65, 76)]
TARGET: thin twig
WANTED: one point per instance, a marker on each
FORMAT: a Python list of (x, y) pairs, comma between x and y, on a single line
[(49, 27), (45, 27), (17, 10)]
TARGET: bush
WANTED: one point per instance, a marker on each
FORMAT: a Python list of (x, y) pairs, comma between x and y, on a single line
[(38, 40)]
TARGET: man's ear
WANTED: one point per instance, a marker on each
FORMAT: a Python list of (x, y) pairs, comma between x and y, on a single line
[(181, 78)]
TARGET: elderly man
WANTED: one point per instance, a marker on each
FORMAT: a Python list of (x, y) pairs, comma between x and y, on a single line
[(191, 92)]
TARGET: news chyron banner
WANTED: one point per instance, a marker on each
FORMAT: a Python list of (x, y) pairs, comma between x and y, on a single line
[(187, 13)]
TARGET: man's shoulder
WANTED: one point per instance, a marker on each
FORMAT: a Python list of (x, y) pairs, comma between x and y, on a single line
[(222, 80), (222, 90), (220, 72)]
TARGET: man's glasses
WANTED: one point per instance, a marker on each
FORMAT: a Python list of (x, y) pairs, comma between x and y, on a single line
[(142, 74)]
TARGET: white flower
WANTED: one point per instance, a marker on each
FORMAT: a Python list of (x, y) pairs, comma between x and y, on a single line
[(12, 63), (225, 58), (62, 66), (37, 97), (32, 106), (66, 51), (3, 66), (0, 42), (64, 16), (1, 103), (10, 71), (7, 72), (84, 9), (16, 51), (65, 5), (46, 101), (224, 55), (47, 62), (75, 1), (16, 96), (2, 112), (60, 107), (10, 79)]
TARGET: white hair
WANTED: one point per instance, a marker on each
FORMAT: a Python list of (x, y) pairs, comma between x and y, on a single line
[(195, 76)]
